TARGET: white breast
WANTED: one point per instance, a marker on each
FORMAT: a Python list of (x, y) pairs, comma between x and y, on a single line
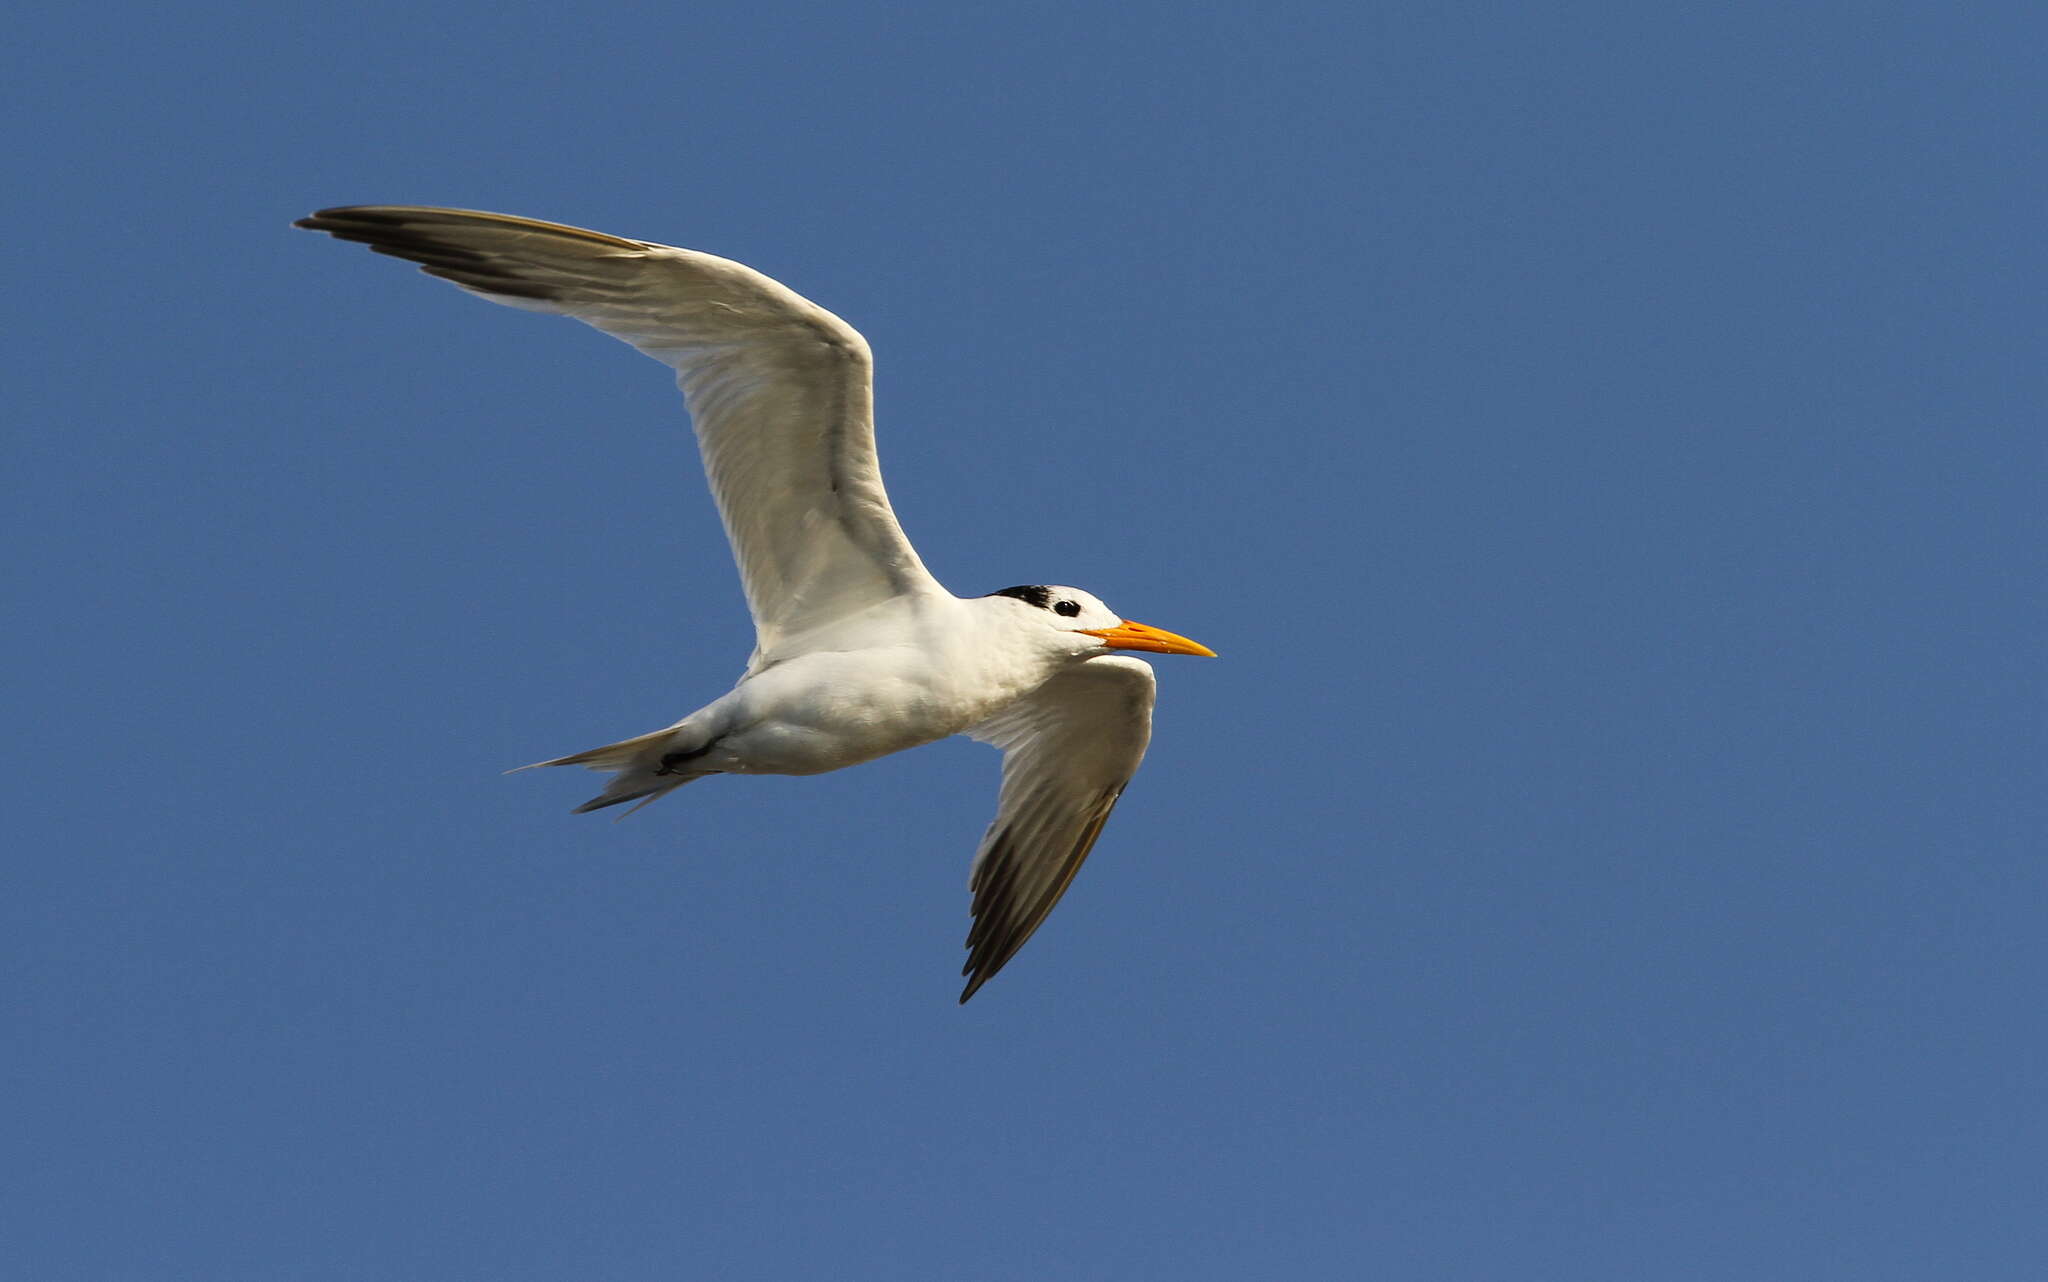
[(892, 679)]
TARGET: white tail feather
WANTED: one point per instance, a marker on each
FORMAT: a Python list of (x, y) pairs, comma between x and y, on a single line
[(640, 774)]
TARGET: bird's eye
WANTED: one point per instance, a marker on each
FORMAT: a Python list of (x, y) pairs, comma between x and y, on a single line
[(1067, 609)]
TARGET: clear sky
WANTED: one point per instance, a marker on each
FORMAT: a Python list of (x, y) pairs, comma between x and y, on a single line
[(1604, 442)]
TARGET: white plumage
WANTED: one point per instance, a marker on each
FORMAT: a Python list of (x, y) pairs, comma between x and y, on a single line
[(859, 652)]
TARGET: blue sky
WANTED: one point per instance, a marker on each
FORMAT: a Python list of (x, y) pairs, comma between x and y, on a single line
[(1603, 441)]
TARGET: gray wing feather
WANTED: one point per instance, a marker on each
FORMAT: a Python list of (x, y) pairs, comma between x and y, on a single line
[(1069, 748), (779, 389)]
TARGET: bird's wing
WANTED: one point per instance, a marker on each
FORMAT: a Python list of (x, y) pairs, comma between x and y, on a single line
[(1069, 747), (780, 390)]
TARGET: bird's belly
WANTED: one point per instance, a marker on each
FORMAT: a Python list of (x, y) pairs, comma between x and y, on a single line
[(829, 711)]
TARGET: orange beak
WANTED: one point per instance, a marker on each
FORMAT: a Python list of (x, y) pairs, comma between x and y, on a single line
[(1136, 636)]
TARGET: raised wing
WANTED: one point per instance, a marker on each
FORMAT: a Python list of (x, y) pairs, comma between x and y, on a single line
[(1068, 750), (780, 391)]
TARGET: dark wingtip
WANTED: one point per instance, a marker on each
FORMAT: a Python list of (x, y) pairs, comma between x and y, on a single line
[(355, 214), (342, 215), (410, 235)]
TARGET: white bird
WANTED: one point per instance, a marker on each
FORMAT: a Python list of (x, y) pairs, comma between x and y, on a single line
[(859, 651)]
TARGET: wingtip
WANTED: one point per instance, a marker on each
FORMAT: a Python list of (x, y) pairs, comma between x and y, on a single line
[(339, 215), (975, 981)]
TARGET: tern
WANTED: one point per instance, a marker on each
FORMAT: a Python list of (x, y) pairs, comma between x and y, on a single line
[(859, 651)]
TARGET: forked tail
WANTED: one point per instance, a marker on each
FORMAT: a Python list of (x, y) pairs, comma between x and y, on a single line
[(647, 768)]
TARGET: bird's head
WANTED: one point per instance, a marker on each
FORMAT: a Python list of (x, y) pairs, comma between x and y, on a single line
[(1081, 621)]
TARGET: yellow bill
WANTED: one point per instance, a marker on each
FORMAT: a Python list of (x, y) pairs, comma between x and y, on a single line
[(1137, 636)]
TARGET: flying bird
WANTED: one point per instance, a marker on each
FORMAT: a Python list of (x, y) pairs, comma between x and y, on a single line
[(859, 651)]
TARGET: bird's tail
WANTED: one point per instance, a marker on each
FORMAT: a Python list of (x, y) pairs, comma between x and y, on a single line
[(647, 768)]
